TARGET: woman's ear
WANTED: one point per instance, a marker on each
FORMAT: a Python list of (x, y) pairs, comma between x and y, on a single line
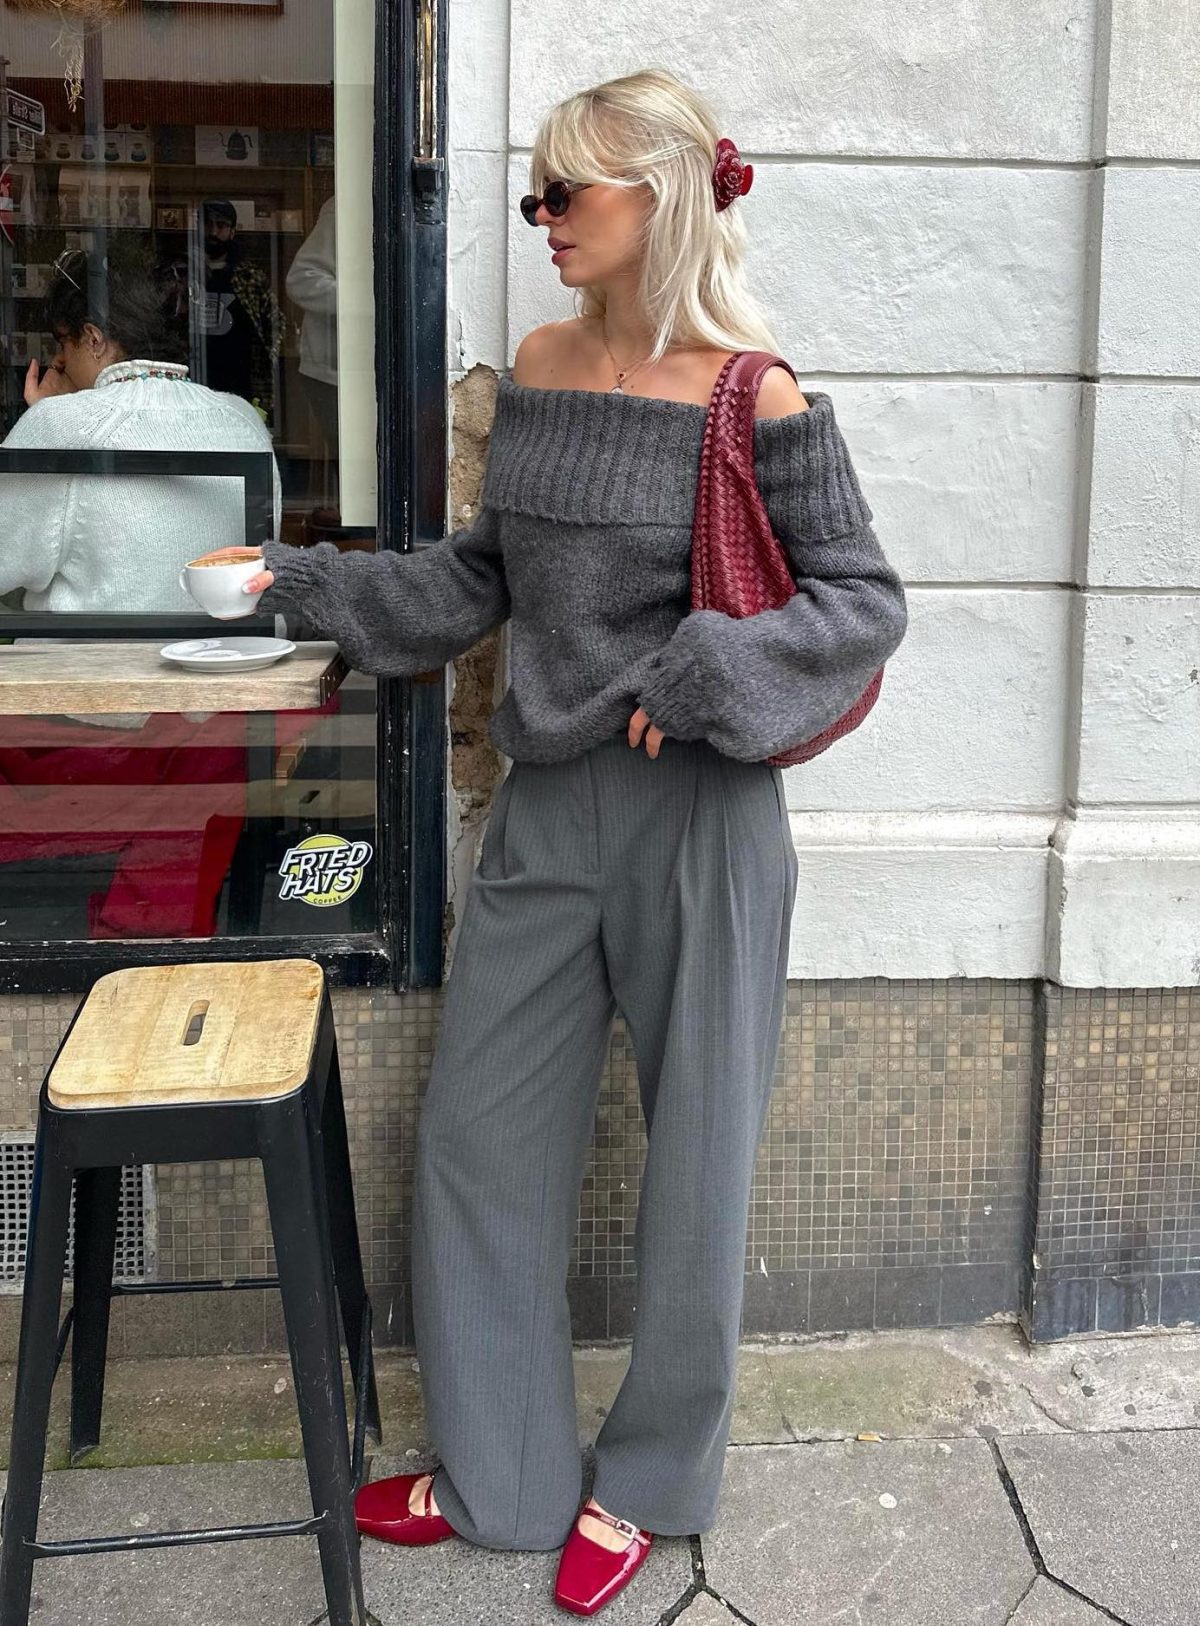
[(93, 339)]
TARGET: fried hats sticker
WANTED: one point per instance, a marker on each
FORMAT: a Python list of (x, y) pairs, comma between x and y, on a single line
[(324, 870)]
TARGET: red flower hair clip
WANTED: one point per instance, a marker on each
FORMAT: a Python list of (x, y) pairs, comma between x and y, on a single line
[(730, 177)]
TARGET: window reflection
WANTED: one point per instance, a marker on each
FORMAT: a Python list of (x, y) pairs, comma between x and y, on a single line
[(192, 183), (169, 283), (181, 826), (116, 542), (240, 322), (312, 285)]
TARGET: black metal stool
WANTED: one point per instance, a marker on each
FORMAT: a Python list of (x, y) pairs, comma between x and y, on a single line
[(187, 1064)]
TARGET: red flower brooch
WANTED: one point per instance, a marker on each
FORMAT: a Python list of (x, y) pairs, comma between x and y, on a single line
[(730, 178)]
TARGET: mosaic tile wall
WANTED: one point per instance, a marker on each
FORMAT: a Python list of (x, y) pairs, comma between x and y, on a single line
[(1118, 1230), (896, 1184)]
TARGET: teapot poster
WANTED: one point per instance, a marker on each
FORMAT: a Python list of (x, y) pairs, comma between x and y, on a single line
[(233, 145)]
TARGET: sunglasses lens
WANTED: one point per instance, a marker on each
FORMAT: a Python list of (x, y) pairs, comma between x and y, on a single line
[(557, 198), (529, 208)]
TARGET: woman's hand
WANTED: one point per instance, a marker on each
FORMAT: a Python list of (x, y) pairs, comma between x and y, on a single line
[(639, 723), (41, 386), (235, 556)]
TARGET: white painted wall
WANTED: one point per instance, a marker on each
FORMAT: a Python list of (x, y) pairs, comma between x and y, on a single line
[(978, 228)]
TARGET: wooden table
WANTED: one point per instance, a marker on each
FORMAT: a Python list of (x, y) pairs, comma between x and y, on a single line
[(52, 678), (48, 679)]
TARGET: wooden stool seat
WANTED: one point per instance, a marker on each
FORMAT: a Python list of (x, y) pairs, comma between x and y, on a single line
[(179, 1034)]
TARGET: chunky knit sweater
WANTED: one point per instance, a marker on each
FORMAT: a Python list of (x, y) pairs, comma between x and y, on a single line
[(583, 539)]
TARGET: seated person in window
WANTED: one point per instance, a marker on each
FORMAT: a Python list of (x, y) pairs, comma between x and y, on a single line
[(106, 542)]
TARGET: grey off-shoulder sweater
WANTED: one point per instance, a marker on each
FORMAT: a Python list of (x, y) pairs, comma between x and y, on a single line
[(583, 539)]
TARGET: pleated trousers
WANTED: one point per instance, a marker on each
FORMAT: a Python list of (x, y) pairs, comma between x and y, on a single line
[(662, 888)]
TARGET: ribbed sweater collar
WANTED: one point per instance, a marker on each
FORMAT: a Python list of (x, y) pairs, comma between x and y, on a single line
[(586, 457)]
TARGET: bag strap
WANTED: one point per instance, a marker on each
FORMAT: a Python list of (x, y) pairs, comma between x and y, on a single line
[(728, 444), (735, 393)]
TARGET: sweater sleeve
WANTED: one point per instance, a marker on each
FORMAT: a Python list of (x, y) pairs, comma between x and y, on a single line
[(395, 614), (754, 686), (312, 277), (37, 507)]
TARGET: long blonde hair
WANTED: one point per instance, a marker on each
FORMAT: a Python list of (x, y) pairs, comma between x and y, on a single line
[(650, 129)]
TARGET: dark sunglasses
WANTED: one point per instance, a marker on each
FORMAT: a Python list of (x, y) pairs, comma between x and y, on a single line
[(556, 198)]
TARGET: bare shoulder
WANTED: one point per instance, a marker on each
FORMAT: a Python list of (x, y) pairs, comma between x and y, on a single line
[(543, 354), (779, 396)]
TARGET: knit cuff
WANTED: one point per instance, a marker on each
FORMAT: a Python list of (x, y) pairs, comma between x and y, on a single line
[(297, 572), (677, 694)]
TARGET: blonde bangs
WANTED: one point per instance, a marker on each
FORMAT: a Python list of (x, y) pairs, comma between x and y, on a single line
[(576, 142)]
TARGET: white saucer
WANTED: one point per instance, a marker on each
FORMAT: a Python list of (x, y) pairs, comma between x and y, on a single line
[(227, 654)]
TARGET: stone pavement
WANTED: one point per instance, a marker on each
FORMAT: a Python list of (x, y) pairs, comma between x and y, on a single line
[(879, 1479)]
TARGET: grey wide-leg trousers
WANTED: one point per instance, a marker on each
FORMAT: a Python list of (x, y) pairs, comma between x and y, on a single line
[(662, 887)]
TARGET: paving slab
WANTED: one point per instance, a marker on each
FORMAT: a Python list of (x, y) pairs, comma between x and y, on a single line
[(1081, 1411), (169, 1411), (892, 1534), (957, 1381), (246, 1583), (454, 1583), (943, 1383), (1131, 1381), (1117, 1517), (757, 1416), (898, 1386), (278, 1583), (704, 1610), (1048, 1604)]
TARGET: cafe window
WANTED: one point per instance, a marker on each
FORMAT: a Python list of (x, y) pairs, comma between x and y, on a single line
[(192, 247)]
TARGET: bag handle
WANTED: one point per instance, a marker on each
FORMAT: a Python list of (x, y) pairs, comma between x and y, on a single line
[(734, 550), (727, 450), (735, 393)]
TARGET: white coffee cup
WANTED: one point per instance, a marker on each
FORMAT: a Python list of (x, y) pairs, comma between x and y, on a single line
[(217, 588)]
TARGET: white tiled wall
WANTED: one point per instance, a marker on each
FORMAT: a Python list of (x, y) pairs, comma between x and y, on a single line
[(978, 229)]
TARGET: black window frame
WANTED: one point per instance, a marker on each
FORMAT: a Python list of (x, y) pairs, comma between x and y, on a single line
[(406, 949)]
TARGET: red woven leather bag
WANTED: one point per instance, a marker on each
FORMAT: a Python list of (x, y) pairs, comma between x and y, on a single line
[(738, 565)]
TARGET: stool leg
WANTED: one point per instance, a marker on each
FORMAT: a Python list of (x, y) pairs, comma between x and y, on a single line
[(347, 1254), (300, 1230), (45, 1261), (97, 1201)]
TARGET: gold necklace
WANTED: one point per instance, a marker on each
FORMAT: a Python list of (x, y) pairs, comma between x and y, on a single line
[(622, 373)]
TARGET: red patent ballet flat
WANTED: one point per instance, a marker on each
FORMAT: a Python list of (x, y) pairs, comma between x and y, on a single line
[(381, 1510), (589, 1574)]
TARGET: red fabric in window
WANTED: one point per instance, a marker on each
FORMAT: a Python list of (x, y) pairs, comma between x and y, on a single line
[(169, 797)]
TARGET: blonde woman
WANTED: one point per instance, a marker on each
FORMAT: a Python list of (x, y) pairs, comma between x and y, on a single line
[(637, 857)]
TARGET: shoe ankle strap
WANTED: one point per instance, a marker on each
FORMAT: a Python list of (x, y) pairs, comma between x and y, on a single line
[(623, 1525)]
